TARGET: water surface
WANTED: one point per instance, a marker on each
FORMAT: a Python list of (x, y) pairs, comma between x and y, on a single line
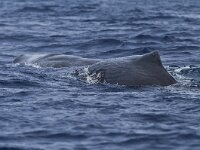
[(47, 108)]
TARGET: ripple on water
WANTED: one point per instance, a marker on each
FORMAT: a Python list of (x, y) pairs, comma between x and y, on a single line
[(48, 108)]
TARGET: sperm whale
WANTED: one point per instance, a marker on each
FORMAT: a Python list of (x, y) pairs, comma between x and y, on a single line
[(55, 60), (132, 70)]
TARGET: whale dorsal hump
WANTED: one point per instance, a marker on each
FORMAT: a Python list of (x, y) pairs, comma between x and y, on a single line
[(152, 57)]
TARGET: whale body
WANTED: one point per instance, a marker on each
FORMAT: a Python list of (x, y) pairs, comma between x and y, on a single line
[(132, 70), (55, 60)]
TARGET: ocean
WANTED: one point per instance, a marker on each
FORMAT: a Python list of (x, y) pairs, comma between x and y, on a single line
[(49, 109)]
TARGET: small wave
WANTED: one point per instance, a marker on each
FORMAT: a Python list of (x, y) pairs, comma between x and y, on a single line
[(49, 135), (88, 8), (189, 16), (142, 50), (36, 9), (66, 136), (20, 83), (117, 53), (3, 25), (145, 37), (179, 53), (168, 38), (136, 10), (189, 71), (13, 148), (47, 48), (100, 43), (180, 34), (165, 38), (179, 48), (13, 37), (21, 37), (188, 75), (53, 46), (159, 16)]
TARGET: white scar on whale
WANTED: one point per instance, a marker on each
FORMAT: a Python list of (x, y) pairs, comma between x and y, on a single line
[(132, 70)]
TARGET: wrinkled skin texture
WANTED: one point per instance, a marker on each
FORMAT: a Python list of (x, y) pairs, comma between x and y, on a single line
[(55, 60), (133, 70)]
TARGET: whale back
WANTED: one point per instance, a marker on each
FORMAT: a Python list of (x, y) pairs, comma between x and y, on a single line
[(152, 57), (54, 60), (144, 69), (133, 70)]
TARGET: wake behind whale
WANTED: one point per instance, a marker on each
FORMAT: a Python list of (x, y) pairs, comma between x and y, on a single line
[(132, 70)]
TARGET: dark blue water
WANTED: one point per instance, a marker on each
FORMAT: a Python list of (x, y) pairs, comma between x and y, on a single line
[(47, 108)]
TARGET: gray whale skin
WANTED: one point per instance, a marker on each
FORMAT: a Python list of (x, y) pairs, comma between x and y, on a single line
[(135, 70)]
